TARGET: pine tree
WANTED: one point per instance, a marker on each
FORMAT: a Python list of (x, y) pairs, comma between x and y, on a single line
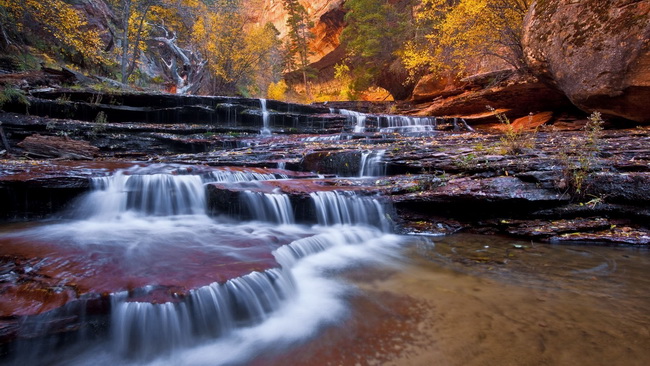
[(299, 36), (375, 32)]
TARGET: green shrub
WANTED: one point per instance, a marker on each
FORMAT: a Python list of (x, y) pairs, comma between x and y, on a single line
[(11, 94)]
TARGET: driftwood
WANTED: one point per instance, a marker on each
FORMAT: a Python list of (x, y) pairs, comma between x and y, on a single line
[(58, 147)]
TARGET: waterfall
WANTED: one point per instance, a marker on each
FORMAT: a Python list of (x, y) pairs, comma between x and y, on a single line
[(321, 138), (230, 176), (334, 208), (288, 255), (244, 287), (358, 119), (266, 131), (145, 330), (270, 207), (407, 124), (371, 164), (149, 195), (239, 311)]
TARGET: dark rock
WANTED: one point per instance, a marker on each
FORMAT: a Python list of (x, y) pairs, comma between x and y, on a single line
[(628, 188), (614, 236), (346, 163), (58, 147)]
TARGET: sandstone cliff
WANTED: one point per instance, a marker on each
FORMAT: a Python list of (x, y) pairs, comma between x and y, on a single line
[(327, 16)]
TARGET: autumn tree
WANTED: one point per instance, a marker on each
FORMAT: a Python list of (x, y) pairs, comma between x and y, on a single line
[(235, 53), (28, 22), (375, 31), (300, 35), (454, 33)]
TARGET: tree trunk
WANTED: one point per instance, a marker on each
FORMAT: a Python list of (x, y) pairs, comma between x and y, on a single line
[(125, 40)]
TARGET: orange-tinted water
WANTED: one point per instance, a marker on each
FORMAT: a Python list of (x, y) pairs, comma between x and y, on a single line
[(477, 300)]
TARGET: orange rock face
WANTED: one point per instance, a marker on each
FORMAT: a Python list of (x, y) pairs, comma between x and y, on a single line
[(327, 16)]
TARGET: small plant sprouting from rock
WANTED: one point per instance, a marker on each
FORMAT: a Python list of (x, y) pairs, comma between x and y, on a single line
[(466, 161), (9, 94), (580, 157), (100, 123), (514, 140), (63, 99)]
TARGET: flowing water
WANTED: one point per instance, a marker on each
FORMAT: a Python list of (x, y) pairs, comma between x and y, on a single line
[(266, 131), (371, 164), (184, 288), (407, 124)]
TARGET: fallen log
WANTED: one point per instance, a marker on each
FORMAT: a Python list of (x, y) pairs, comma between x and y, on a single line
[(58, 147)]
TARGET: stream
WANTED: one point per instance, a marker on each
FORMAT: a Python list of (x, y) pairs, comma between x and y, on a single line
[(218, 264), (137, 272)]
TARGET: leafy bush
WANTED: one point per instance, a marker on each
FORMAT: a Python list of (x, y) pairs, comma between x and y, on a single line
[(277, 90)]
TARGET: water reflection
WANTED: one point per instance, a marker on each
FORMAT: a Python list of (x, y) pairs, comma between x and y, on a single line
[(484, 300)]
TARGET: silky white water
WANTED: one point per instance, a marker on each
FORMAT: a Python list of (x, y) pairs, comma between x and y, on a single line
[(141, 235)]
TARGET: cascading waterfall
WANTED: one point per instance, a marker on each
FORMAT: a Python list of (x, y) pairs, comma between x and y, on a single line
[(407, 124), (266, 131), (225, 322), (144, 330), (371, 164), (348, 208), (322, 138), (357, 119), (288, 255), (269, 207), (227, 176), (152, 195)]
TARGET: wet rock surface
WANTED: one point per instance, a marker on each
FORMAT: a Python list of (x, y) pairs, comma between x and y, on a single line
[(469, 178), (439, 182)]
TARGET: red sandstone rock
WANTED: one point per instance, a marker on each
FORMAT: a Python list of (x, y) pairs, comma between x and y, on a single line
[(516, 97), (597, 52)]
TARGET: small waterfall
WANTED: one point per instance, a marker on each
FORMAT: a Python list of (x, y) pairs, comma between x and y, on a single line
[(407, 124), (145, 330), (230, 176), (288, 255), (266, 131), (153, 195), (348, 208), (371, 164), (270, 207), (358, 119)]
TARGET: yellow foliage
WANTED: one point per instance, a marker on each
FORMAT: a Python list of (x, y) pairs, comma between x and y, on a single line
[(58, 20), (277, 90), (234, 53), (457, 32)]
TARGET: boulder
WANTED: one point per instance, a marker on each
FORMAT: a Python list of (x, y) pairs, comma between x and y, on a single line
[(597, 52), (432, 86)]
